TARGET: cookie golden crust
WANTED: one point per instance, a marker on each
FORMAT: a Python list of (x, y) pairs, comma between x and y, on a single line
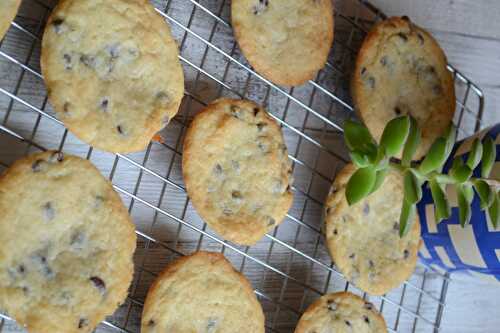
[(202, 293), (66, 244), (341, 312), (285, 41), (363, 239), (236, 169), (112, 71), (401, 69), (8, 11)]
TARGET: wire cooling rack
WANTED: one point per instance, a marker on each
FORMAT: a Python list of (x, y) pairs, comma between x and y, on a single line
[(289, 267)]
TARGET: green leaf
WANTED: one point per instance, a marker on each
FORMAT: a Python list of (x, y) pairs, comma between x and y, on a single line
[(412, 188), (489, 157), (459, 171), (494, 211), (435, 158), (486, 195), (475, 154), (360, 159), (394, 135), (451, 135), (406, 218), (357, 137), (469, 192), (379, 180), (442, 208), (464, 210), (360, 184), (412, 143)]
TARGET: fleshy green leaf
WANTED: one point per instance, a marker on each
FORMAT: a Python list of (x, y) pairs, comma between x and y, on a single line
[(469, 192), (442, 208), (486, 195), (464, 210), (357, 137), (379, 180), (360, 184), (406, 218), (435, 158), (394, 135), (412, 143), (359, 159), (475, 154), (459, 171), (412, 188), (489, 156), (451, 135), (494, 211)]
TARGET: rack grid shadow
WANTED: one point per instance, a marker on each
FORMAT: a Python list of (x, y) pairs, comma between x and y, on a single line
[(290, 266)]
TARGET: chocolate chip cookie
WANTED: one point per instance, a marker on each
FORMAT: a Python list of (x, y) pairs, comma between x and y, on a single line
[(66, 244), (202, 293), (236, 170), (8, 10), (400, 70), (112, 71), (364, 240), (285, 41), (341, 312)]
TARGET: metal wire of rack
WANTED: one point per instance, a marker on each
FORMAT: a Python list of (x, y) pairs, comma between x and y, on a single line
[(290, 267)]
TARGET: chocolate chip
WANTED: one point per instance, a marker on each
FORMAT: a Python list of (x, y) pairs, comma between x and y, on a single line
[(436, 89), (236, 195), (99, 284), (260, 126), (260, 7), (99, 199), (26, 290), (406, 254), (347, 322), (420, 38), (67, 62), (335, 232), (368, 306), (66, 107), (367, 320), (104, 104), (270, 221), (363, 70), (256, 111), (405, 18), (44, 267), (397, 111), (37, 165), (49, 213), (21, 269), (83, 322), (217, 170), (57, 23), (371, 264), (120, 130), (235, 111), (57, 156), (383, 60), (332, 306), (151, 323), (352, 256), (371, 82), (366, 209), (328, 210), (87, 60), (395, 227), (263, 147), (77, 239), (403, 37)]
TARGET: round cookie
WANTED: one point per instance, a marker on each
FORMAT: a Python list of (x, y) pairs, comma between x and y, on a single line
[(285, 41), (236, 169), (66, 244), (363, 239), (8, 11), (400, 70), (341, 312), (112, 71), (202, 293)]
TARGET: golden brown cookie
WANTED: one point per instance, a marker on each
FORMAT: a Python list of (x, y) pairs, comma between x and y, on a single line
[(112, 71), (236, 170), (363, 239), (285, 41), (400, 70), (8, 11)]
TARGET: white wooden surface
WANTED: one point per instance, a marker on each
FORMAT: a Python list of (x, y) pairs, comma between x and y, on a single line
[(470, 34)]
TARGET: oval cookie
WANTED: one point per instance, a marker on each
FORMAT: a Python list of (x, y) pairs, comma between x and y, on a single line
[(236, 170), (285, 41), (202, 293), (341, 312), (8, 11), (112, 71), (66, 244), (363, 239), (401, 70)]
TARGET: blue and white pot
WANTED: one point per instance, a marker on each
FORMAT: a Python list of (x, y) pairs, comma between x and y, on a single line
[(473, 250)]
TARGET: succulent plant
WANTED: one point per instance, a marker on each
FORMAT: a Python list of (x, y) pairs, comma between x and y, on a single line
[(401, 137)]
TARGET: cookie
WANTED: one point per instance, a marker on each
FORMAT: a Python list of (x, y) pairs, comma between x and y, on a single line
[(66, 244), (236, 169), (339, 313), (8, 11), (363, 239), (401, 69), (112, 71), (285, 41), (202, 293)]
